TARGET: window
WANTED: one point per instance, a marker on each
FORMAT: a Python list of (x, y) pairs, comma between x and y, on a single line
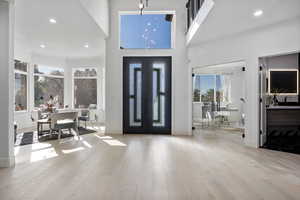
[(207, 88), (48, 81), (211, 88), (147, 31), (85, 87), (21, 75), (52, 71)]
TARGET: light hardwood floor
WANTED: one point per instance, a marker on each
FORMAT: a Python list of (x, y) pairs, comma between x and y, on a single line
[(208, 166)]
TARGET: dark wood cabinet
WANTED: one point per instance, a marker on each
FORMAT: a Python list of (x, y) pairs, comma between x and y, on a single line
[(283, 129)]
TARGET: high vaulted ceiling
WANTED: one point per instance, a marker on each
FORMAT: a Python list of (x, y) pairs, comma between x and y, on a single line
[(74, 29), (230, 17)]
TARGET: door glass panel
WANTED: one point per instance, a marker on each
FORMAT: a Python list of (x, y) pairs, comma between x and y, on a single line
[(155, 96), (139, 95), (159, 92), (135, 94)]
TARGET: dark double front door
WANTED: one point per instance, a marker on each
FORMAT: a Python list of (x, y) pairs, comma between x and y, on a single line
[(147, 95)]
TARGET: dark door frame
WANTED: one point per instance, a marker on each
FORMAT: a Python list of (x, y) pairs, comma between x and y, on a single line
[(147, 102)]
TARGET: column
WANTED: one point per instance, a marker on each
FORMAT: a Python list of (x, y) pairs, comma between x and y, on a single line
[(6, 84)]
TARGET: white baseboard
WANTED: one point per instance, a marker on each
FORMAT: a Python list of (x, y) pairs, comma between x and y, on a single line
[(251, 143), (182, 133), (7, 162), (109, 132)]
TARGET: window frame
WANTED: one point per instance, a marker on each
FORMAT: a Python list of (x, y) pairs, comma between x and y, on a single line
[(83, 77), (173, 29), (49, 76), (16, 71), (282, 70)]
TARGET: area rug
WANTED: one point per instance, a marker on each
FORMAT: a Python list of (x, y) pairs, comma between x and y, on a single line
[(32, 137)]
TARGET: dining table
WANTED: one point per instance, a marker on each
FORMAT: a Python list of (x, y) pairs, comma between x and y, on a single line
[(47, 120)]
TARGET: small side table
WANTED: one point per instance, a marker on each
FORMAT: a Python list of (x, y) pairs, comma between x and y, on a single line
[(40, 124)]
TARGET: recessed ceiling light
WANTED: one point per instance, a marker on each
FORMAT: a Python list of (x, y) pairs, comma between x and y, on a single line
[(86, 46), (52, 21), (258, 13), (43, 46)]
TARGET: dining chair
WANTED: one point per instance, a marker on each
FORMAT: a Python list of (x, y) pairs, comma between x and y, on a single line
[(85, 117), (65, 120)]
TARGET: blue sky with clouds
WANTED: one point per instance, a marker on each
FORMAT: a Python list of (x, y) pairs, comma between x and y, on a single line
[(145, 31)]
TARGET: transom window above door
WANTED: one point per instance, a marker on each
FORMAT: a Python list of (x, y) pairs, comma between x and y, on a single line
[(147, 31)]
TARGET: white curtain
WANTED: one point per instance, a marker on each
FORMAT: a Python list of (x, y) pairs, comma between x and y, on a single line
[(226, 87)]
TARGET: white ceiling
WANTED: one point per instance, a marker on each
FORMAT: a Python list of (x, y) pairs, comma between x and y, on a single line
[(67, 38), (230, 17)]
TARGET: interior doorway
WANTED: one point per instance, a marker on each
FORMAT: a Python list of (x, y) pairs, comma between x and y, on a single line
[(219, 98), (147, 95), (280, 102)]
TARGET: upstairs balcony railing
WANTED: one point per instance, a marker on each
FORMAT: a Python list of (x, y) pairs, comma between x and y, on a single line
[(193, 7)]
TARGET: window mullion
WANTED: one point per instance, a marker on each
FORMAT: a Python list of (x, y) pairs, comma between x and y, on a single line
[(50, 76), (20, 72)]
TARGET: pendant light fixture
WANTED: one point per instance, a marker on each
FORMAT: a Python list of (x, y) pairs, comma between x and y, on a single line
[(143, 5)]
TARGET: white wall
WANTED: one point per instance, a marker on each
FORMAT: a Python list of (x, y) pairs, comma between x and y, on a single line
[(271, 40), (50, 61), (22, 50), (6, 84), (289, 61), (99, 11), (181, 96)]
